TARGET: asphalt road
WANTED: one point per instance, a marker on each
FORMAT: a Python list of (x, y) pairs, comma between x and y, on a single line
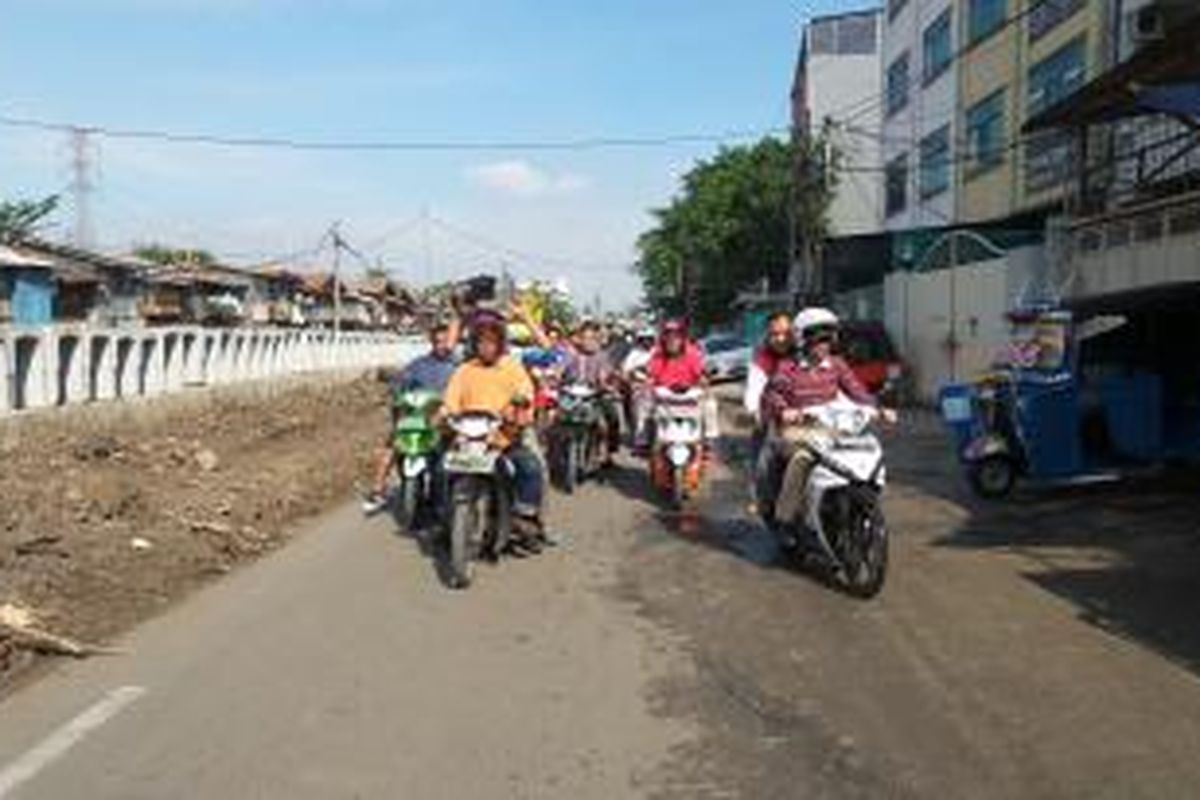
[(1045, 648)]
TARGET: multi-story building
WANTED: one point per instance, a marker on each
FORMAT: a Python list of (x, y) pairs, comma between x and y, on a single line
[(1019, 57), (919, 113), (1132, 227), (837, 87)]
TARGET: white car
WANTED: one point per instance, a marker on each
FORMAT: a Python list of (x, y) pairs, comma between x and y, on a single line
[(726, 357)]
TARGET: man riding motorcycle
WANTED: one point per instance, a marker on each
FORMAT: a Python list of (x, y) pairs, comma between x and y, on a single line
[(589, 363), (778, 345), (430, 372), (633, 373), (494, 382), (814, 377)]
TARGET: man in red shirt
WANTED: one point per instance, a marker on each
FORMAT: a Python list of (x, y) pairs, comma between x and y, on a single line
[(676, 363)]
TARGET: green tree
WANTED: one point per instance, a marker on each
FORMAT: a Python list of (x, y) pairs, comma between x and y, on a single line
[(728, 227), (173, 256), (19, 219)]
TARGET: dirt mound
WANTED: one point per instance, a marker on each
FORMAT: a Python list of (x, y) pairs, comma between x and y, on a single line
[(107, 517)]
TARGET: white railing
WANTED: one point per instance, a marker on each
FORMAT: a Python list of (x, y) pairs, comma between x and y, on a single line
[(70, 364)]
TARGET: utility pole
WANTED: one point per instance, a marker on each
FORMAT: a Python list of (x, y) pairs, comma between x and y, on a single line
[(426, 245), (82, 186), (338, 243)]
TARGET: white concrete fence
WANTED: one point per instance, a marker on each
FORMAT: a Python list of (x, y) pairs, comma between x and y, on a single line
[(64, 365)]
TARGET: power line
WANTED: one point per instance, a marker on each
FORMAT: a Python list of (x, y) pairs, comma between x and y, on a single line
[(286, 143), (509, 252)]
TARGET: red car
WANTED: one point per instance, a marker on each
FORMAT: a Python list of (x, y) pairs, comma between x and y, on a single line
[(868, 349)]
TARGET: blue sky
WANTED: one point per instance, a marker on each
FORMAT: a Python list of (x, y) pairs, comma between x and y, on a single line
[(402, 70)]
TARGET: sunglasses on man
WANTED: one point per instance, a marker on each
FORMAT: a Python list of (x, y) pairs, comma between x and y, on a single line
[(822, 334)]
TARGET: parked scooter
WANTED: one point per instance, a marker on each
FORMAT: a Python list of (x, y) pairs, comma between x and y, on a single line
[(415, 442), (677, 453), (480, 494), (579, 437), (843, 527)]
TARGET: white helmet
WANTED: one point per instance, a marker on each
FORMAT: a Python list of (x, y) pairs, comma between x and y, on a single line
[(810, 319)]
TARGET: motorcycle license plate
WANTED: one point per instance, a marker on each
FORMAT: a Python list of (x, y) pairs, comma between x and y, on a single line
[(471, 461), (679, 454), (413, 467)]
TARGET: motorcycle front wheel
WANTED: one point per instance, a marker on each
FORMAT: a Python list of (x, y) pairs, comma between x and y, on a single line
[(408, 504), (993, 478), (571, 465), (866, 559), (679, 487), (465, 521)]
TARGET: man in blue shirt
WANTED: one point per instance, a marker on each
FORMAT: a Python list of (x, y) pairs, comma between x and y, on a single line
[(431, 372)]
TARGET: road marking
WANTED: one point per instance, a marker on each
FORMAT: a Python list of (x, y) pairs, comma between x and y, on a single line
[(55, 746)]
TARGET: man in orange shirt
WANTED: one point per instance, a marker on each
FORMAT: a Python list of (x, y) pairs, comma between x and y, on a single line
[(492, 381)]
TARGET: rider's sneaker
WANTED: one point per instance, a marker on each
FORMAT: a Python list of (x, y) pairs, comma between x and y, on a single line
[(374, 503)]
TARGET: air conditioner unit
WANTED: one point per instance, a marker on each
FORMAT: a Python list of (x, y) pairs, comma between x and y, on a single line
[(1147, 25)]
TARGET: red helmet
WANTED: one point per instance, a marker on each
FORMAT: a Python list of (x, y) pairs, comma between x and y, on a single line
[(673, 325)]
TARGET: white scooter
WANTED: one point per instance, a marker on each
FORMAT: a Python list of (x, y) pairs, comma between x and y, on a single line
[(677, 458), (843, 524)]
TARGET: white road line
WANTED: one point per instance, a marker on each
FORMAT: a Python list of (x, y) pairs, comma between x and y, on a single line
[(54, 746)]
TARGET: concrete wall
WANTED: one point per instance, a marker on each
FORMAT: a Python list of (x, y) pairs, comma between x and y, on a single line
[(950, 323), (62, 365)]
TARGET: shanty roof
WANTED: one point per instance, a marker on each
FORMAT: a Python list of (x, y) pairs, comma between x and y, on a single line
[(197, 276), (61, 254), (1163, 77), (13, 258)]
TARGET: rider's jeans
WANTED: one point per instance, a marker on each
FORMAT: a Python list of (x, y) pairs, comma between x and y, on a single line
[(528, 480)]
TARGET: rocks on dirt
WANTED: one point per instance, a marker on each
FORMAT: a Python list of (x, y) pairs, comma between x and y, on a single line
[(207, 460), (97, 447), (18, 630), (46, 544), (103, 484)]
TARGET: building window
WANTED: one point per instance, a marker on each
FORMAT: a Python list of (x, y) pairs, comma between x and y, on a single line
[(985, 134), (984, 17), (897, 84), (1049, 160), (895, 7), (896, 185), (937, 48), (1046, 15), (934, 177), (1056, 76)]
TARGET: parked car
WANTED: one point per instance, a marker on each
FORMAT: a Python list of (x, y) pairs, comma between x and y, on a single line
[(726, 357), (868, 349)]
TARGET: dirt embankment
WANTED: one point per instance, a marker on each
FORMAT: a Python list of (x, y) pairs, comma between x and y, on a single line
[(109, 514)]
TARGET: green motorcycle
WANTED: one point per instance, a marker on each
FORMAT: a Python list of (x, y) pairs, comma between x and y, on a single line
[(415, 441), (579, 435)]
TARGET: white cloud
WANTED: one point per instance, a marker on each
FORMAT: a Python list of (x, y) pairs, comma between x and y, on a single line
[(523, 179)]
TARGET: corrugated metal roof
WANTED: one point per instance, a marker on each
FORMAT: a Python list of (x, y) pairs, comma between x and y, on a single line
[(12, 258)]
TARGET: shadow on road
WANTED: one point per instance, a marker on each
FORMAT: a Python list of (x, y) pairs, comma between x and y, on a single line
[(1125, 555)]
